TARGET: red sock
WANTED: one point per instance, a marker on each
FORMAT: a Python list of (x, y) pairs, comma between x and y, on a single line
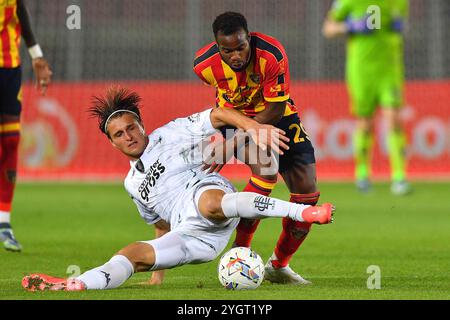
[(294, 232), (246, 228), (8, 167)]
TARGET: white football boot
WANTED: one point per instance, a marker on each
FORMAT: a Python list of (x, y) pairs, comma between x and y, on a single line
[(283, 275), (7, 237)]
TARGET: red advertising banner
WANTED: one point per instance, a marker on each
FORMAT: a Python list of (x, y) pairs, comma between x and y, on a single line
[(60, 141)]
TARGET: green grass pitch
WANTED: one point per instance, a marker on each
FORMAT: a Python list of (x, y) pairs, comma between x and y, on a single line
[(408, 238)]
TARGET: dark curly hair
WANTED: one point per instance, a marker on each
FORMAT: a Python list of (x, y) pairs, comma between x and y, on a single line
[(229, 23)]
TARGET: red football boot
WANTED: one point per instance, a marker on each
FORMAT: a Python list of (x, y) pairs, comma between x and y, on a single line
[(322, 214), (42, 282)]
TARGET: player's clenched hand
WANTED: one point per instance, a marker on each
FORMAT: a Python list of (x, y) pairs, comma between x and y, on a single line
[(43, 74), (267, 136)]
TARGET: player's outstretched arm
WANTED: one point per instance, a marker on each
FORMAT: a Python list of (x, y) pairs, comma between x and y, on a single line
[(40, 65), (263, 135), (333, 29), (227, 116)]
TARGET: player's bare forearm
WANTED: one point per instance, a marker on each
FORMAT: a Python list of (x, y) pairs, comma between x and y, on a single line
[(333, 29), (272, 114), (225, 116), (264, 135), (40, 65), (24, 18)]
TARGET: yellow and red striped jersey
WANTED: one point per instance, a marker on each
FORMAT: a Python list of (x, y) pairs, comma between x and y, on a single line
[(265, 79), (9, 34)]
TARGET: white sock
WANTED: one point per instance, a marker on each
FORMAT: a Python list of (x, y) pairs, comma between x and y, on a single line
[(251, 205), (5, 217), (108, 276)]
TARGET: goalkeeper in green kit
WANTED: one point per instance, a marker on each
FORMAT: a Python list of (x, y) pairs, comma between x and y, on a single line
[(375, 78)]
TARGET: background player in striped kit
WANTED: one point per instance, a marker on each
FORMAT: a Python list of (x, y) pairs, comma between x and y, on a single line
[(14, 23)]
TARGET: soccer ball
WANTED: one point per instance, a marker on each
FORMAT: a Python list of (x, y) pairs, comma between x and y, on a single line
[(240, 269)]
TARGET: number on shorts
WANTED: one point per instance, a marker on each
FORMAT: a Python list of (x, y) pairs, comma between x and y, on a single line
[(299, 129)]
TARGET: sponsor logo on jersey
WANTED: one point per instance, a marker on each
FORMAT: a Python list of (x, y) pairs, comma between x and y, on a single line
[(150, 179), (256, 78)]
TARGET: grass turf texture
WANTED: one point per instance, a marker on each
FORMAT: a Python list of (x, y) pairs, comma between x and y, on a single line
[(84, 224)]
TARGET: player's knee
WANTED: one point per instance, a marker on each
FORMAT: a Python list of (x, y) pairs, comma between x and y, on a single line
[(210, 205), (393, 121), (365, 125), (141, 255), (267, 171)]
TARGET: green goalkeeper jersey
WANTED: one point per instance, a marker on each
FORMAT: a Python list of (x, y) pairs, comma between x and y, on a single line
[(374, 67)]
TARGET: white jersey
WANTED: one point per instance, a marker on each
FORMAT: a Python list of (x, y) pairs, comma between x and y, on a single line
[(162, 181)]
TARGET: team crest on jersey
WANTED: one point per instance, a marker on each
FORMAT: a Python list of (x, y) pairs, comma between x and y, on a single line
[(225, 96), (194, 118), (153, 174), (256, 78)]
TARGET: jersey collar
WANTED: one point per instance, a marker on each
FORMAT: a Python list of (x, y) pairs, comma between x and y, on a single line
[(139, 164)]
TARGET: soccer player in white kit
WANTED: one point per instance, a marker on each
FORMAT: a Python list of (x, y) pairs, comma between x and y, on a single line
[(194, 212)]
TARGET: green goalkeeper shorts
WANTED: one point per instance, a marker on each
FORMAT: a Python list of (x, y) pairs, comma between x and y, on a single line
[(367, 94)]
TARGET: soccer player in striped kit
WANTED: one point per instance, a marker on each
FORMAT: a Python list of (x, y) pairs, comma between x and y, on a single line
[(250, 73), (14, 23)]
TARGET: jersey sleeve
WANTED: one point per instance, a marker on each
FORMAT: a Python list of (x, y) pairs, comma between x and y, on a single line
[(340, 10), (198, 124), (203, 64), (148, 215), (204, 75), (276, 82)]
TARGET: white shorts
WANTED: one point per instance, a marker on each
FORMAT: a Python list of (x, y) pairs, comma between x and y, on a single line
[(194, 239)]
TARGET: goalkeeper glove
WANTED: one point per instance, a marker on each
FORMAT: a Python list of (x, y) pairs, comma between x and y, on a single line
[(355, 26), (397, 25)]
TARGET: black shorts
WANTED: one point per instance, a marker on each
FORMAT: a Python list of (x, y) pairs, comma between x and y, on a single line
[(300, 150), (10, 82)]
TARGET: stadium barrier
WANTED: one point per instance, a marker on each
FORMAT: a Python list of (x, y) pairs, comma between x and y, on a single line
[(60, 141)]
